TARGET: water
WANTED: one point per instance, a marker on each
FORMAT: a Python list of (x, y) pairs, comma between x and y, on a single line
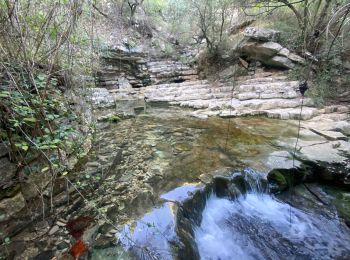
[(152, 234), (257, 226), (166, 153)]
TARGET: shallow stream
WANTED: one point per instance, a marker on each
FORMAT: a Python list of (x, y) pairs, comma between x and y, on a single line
[(168, 156)]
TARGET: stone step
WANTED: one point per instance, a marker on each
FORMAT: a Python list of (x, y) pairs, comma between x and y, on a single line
[(235, 104), (186, 84), (255, 80), (260, 87), (169, 67), (278, 113), (255, 95), (163, 62)]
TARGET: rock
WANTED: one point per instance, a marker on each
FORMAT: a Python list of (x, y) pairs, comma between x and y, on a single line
[(45, 255), (277, 181), (62, 245), (93, 164), (183, 147), (261, 51), (60, 224), (9, 191), (7, 172), (284, 52), (9, 207), (343, 127), (320, 151), (53, 230), (236, 28), (330, 135), (3, 150), (271, 53), (281, 159), (280, 179), (123, 83), (90, 233), (65, 256), (34, 183), (261, 34), (280, 62), (296, 58)]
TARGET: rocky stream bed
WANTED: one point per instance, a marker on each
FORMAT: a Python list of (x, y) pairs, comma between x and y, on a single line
[(148, 184)]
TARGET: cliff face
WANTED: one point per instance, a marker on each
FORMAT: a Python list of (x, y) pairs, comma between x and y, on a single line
[(123, 68)]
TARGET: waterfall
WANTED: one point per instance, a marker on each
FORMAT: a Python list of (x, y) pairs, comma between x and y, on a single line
[(256, 225)]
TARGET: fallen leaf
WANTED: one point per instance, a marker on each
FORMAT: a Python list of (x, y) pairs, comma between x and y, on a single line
[(78, 249)]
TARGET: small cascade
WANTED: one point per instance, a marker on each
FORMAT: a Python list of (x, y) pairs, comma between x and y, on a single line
[(257, 225), (236, 217)]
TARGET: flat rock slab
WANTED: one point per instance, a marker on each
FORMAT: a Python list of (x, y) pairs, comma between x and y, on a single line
[(330, 135), (281, 159), (318, 150)]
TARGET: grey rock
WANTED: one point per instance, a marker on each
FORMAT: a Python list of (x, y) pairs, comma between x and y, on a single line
[(60, 224), (7, 172), (261, 34), (330, 135), (9, 207), (4, 150), (261, 51), (123, 83), (280, 62), (53, 230), (296, 58)]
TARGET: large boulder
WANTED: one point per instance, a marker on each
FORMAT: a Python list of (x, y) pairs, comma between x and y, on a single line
[(271, 54), (261, 51), (261, 34)]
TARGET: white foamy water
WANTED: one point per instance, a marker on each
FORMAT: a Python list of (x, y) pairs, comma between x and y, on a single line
[(257, 226)]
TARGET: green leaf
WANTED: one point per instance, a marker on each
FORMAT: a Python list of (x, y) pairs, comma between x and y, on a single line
[(29, 119), (45, 169), (4, 94), (56, 141), (25, 147), (41, 77)]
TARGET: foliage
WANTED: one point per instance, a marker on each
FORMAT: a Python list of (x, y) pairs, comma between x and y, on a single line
[(319, 23), (43, 48)]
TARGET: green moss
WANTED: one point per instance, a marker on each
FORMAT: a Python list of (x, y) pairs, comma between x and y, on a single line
[(183, 147), (343, 205), (114, 119), (277, 178)]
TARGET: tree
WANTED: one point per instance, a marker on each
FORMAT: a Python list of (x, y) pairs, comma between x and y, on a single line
[(212, 19), (315, 18), (133, 5)]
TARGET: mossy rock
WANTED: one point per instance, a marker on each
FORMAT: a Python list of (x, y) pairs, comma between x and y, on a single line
[(343, 206), (114, 119), (183, 147), (277, 181)]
